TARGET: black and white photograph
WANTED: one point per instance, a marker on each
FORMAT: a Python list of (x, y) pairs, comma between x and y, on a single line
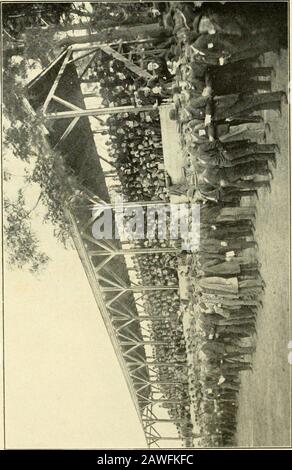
[(146, 213)]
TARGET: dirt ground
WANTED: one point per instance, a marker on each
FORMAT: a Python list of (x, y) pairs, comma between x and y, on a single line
[(264, 416)]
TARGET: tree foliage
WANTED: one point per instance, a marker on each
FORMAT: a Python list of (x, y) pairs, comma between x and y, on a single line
[(17, 17), (21, 242), (28, 40), (24, 138)]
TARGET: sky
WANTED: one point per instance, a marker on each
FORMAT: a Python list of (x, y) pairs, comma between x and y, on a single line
[(63, 385)]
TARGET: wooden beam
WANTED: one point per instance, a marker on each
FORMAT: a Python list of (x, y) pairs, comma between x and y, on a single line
[(66, 103), (95, 45), (87, 65), (116, 297), (103, 263), (73, 107), (158, 364), (108, 281), (124, 325), (67, 131), (162, 420), (99, 111), (57, 80), (168, 438), (155, 401), (135, 251), (44, 71), (75, 59), (138, 288), (107, 161), (142, 343), (128, 63), (91, 239), (154, 204)]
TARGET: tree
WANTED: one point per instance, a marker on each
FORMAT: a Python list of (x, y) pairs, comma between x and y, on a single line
[(21, 242), (27, 44), (17, 17), (44, 167), (56, 188)]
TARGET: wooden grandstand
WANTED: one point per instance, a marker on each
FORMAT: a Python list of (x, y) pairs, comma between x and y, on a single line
[(57, 93)]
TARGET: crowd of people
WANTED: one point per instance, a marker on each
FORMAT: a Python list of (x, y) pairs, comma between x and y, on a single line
[(167, 331), (135, 150), (220, 90), (134, 140), (207, 62)]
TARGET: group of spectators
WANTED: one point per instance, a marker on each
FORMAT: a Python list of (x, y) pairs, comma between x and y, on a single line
[(207, 62), (135, 150), (221, 87), (134, 139)]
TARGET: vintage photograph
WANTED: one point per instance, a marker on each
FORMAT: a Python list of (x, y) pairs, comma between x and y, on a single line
[(146, 225)]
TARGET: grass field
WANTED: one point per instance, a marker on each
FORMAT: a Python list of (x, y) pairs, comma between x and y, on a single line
[(264, 416)]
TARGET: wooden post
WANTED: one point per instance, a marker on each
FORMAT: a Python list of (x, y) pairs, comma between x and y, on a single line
[(98, 112), (134, 251), (137, 288)]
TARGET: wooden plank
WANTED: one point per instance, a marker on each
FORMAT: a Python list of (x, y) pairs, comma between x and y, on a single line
[(87, 65), (67, 131), (136, 251), (96, 44), (107, 161), (66, 103), (99, 111), (108, 281), (72, 106), (44, 71), (138, 288), (57, 80), (130, 65), (103, 264), (75, 59)]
